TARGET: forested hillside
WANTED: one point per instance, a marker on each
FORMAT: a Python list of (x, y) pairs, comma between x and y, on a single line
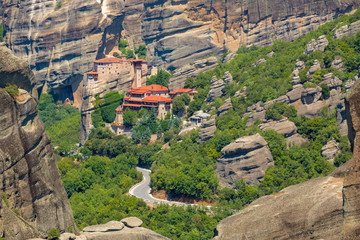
[(98, 177)]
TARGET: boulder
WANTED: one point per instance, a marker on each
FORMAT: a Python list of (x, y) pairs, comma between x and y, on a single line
[(253, 116), (248, 158), (227, 78), (110, 226), (295, 94), (309, 210), (216, 88), (260, 61), (284, 127), (270, 54), (310, 95), (296, 139), (299, 65), (132, 222), (207, 129), (330, 150), (338, 64), (318, 45), (316, 66), (225, 107), (347, 30), (137, 233), (332, 81)]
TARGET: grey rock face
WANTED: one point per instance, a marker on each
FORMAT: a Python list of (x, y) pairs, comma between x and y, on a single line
[(177, 80), (248, 158), (29, 176), (110, 226), (295, 94), (347, 30), (227, 78), (330, 150), (313, 208), (296, 139), (225, 107), (207, 130), (132, 222), (216, 88), (299, 65), (318, 45), (332, 81), (338, 64), (284, 127), (316, 66), (260, 61), (310, 95)]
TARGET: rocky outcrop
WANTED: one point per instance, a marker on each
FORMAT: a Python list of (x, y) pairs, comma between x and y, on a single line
[(316, 66), (352, 181), (34, 199), (284, 127), (338, 64), (299, 65), (310, 210), (318, 45), (260, 61), (248, 158), (225, 107), (216, 88), (332, 82), (330, 150), (227, 78), (207, 130), (60, 44), (347, 30), (310, 95), (177, 80), (296, 93)]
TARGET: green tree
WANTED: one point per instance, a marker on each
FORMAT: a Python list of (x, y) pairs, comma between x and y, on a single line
[(54, 234), (178, 105), (162, 78), (129, 118), (141, 51)]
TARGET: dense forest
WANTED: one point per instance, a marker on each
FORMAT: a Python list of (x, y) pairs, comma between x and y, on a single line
[(98, 175)]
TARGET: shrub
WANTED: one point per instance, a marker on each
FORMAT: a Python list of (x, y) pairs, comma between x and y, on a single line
[(275, 111), (12, 89), (129, 118), (162, 78), (325, 91), (54, 233), (58, 5)]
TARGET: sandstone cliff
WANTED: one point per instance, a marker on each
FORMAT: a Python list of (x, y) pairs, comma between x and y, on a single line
[(61, 43), (33, 197), (323, 208)]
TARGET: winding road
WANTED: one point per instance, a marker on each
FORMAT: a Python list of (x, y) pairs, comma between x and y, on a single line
[(142, 190)]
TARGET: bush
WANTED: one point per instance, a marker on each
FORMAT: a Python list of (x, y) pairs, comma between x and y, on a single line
[(178, 105), (141, 51), (162, 78), (54, 233), (129, 118), (12, 89), (325, 91), (58, 5), (275, 111)]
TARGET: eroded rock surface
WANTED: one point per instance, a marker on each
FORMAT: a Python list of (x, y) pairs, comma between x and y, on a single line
[(248, 158), (312, 209), (207, 129), (330, 150), (318, 45), (216, 88), (29, 176)]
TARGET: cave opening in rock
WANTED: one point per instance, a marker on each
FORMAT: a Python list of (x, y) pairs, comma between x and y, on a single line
[(62, 93)]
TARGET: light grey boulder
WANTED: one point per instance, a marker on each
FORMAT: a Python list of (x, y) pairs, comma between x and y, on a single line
[(330, 150), (248, 158), (216, 88), (318, 45), (110, 226), (132, 222), (284, 127), (338, 64)]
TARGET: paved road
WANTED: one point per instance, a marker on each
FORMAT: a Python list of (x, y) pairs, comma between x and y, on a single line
[(142, 190)]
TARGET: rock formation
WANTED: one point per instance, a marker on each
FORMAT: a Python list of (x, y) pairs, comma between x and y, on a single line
[(61, 43), (310, 210), (322, 208), (216, 88), (316, 66), (338, 64), (248, 158), (318, 45), (225, 107), (284, 127), (330, 150), (207, 130), (33, 197), (352, 181), (347, 30)]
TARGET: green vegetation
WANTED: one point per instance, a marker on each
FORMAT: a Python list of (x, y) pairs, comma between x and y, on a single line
[(13, 90), (5, 199), (179, 103), (162, 78), (61, 122), (129, 118), (54, 234), (141, 51), (105, 108), (276, 111), (1, 32), (123, 47), (58, 5)]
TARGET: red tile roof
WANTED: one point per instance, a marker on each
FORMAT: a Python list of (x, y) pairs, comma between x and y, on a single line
[(182, 90), (154, 98), (92, 73), (144, 89), (109, 60), (118, 110)]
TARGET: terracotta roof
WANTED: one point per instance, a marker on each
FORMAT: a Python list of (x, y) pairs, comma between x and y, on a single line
[(144, 89), (182, 90), (92, 73), (132, 105), (138, 91), (109, 60), (154, 98), (118, 110)]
